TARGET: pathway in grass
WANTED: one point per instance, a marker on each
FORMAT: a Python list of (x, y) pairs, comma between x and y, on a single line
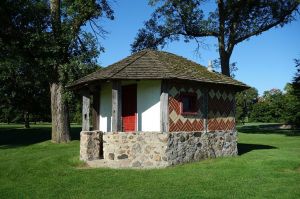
[(268, 167)]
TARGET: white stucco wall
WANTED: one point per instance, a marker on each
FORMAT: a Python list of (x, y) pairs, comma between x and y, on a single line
[(105, 107), (148, 105)]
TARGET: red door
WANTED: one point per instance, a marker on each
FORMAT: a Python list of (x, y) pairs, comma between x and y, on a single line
[(129, 108)]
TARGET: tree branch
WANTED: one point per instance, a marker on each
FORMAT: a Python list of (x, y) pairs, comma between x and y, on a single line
[(269, 26), (82, 17), (193, 33), (232, 29)]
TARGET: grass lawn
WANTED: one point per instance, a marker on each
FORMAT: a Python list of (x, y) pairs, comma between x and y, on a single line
[(32, 167)]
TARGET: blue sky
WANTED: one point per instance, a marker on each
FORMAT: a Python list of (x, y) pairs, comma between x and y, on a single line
[(264, 61)]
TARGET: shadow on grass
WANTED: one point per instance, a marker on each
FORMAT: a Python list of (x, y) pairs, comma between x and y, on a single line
[(268, 129), (15, 137), (245, 148)]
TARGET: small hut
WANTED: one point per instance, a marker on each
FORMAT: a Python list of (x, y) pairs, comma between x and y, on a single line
[(155, 109)]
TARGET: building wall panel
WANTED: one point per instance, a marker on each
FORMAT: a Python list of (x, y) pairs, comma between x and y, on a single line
[(185, 122)]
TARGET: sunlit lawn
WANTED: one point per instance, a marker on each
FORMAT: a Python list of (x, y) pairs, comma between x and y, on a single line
[(32, 167)]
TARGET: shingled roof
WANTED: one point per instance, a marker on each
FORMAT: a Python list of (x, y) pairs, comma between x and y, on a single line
[(150, 64)]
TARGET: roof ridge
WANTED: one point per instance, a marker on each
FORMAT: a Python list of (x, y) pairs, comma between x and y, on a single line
[(145, 52)]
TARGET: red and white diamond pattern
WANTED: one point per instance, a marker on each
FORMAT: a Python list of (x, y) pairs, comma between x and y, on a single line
[(178, 122), (220, 110)]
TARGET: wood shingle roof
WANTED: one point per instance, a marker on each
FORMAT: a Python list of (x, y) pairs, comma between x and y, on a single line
[(150, 64)]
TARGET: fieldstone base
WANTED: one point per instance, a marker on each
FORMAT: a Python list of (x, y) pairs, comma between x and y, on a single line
[(141, 149), (154, 149), (194, 146), (90, 145)]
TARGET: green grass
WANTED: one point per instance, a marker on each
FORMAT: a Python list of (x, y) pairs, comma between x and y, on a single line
[(32, 167)]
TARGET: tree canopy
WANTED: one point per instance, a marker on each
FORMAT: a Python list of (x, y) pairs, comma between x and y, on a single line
[(45, 42), (23, 87), (296, 82), (244, 103), (231, 22), (73, 50), (276, 106)]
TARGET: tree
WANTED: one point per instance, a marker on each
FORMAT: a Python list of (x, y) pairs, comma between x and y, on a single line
[(231, 23), (23, 88), (296, 82), (244, 103), (270, 107), (295, 94), (61, 51), (277, 106), (67, 19), (291, 114)]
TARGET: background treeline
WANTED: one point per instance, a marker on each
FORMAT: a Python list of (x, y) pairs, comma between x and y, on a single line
[(39, 112), (273, 106)]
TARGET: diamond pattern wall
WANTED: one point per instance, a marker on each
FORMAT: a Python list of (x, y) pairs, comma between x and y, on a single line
[(179, 122), (220, 110), (220, 107)]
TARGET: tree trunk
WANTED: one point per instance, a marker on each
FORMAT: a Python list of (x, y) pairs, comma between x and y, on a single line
[(60, 115), (59, 108), (224, 55), (26, 119), (225, 66)]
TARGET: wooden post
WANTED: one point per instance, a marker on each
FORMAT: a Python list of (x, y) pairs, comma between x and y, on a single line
[(96, 108), (205, 109), (116, 106), (234, 109), (164, 108), (86, 112)]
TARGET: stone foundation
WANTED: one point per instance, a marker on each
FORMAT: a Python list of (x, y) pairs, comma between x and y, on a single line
[(141, 149), (194, 146), (155, 149), (90, 145)]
